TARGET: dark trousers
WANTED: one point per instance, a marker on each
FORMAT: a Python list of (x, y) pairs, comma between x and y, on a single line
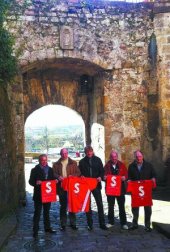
[(148, 212), (121, 205), (63, 209), (37, 213), (98, 198)]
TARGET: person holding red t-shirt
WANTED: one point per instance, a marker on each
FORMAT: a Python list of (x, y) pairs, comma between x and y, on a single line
[(139, 170), (64, 168), (116, 167), (39, 173), (91, 167)]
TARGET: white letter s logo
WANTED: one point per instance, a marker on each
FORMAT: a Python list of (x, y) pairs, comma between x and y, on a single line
[(49, 189), (77, 189), (113, 179), (141, 191)]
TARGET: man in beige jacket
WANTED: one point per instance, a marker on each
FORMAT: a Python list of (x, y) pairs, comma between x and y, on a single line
[(64, 168)]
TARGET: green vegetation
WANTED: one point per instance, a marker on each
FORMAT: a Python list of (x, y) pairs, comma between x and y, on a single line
[(8, 62), (34, 155), (43, 139)]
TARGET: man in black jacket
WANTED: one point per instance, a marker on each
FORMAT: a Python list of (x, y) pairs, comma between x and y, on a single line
[(92, 167), (38, 174), (140, 169)]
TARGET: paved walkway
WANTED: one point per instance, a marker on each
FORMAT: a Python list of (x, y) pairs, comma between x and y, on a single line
[(112, 240)]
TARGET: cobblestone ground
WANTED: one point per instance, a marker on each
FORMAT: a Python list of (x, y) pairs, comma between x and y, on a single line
[(112, 240)]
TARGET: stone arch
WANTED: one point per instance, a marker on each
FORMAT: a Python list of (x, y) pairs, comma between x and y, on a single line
[(59, 82)]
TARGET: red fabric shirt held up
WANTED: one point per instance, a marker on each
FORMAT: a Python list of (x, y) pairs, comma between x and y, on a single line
[(79, 189), (141, 192), (113, 185), (48, 191)]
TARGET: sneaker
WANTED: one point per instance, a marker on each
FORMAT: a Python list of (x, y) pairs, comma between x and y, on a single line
[(90, 228), (50, 230), (103, 227), (62, 228), (125, 227), (109, 225), (133, 227), (74, 227), (148, 229)]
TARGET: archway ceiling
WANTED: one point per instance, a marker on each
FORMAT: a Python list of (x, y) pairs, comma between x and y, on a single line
[(67, 65)]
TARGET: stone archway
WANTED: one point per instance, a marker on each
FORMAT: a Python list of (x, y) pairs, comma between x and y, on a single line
[(61, 82), (74, 83)]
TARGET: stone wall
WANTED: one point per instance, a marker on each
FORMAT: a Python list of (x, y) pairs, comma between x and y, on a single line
[(162, 32), (8, 167), (108, 34), (113, 37), (54, 87)]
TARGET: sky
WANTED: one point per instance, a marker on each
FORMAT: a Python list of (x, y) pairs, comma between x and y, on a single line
[(53, 115)]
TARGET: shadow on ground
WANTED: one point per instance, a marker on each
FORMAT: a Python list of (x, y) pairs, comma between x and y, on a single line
[(162, 193)]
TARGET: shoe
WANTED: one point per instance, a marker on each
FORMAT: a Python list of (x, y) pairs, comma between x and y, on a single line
[(74, 227), (125, 227), (90, 228), (109, 225), (133, 227), (103, 227), (62, 228), (148, 229), (50, 230)]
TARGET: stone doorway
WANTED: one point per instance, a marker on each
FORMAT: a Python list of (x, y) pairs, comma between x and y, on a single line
[(73, 83)]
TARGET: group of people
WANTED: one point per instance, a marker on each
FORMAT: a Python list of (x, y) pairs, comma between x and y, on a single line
[(90, 167)]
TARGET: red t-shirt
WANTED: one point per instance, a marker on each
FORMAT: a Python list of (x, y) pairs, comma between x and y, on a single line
[(64, 184), (141, 192), (79, 193), (113, 185), (48, 191)]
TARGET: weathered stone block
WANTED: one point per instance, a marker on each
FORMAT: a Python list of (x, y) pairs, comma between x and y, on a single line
[(166, 48)]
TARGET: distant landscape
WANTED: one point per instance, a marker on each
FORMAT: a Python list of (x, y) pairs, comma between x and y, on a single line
[(51, 140)]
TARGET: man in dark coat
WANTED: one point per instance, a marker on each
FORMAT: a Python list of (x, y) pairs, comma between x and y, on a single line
[(140, 169), (39, 173), (91, 166)]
